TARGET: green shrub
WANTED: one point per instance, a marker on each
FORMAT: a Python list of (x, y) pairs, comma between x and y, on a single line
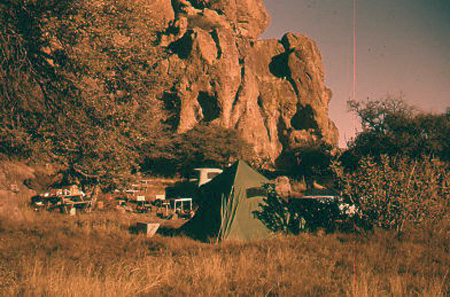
[(397, 191), (275, 212), (298, 215)]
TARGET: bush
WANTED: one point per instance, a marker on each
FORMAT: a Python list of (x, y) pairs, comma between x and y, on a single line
[(298, 215), (396, 191), (275, 212)]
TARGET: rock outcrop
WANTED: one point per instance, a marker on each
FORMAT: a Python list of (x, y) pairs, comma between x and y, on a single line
[(13, 192), (272, 91)]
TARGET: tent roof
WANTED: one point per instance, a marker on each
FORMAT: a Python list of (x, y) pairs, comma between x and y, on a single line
[(240, 174)]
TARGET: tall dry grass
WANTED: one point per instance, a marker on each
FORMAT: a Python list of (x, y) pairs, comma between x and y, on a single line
[(49, 254)]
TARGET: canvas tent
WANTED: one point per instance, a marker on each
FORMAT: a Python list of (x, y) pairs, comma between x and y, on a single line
[(227, 206)]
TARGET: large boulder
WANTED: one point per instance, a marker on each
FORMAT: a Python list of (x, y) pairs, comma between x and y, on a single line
[(272, 91), (14, 195)]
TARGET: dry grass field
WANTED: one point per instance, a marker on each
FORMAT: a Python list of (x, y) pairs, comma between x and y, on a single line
[(49, 254)]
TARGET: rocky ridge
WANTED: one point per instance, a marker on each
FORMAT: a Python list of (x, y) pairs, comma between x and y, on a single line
[(272, 91)]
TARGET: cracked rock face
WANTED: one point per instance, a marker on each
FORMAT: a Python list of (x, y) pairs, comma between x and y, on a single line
[(272, 91)]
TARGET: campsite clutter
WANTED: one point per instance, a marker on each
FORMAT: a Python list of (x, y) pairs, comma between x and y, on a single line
[(67, 199), (137, 198), (219, 205)]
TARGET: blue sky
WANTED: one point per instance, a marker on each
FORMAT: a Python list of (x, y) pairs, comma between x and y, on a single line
[(402, 46)]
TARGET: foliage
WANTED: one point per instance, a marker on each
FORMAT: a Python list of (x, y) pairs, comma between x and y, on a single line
[(397, 191), (310, 161), (275, 212), (328, 214), (81, 85), (392, 127), (209, 146), (23, 104), (300, 215)]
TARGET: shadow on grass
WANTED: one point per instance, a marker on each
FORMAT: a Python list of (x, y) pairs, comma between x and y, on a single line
[(163, 231), (169, 231)]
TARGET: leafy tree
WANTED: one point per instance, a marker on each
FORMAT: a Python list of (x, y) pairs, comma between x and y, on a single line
[(311, 161), (392, 127), (25, 97), (211, 145), (81, 85)]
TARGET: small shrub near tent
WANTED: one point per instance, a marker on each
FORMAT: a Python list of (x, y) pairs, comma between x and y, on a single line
[(300, 215)]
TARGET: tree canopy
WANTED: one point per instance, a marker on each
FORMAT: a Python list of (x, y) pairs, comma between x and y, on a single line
[(206, 145), (392, 127), (80, 84)]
